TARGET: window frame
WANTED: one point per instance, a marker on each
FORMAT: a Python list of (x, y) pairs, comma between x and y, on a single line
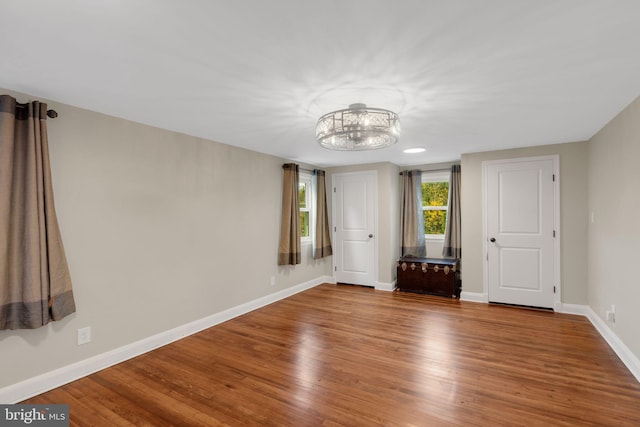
[(307, 179), (434, 177)]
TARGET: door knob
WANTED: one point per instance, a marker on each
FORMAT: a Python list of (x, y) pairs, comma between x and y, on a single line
[(370, 235), (492, 240)]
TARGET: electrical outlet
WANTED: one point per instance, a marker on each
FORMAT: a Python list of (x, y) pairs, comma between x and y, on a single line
[(84, 335), (611, 314)]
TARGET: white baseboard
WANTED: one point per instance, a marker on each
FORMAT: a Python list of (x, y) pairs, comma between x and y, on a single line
[(33, 386), (474, 297), (582, 310), (630, 360), (382, 286)]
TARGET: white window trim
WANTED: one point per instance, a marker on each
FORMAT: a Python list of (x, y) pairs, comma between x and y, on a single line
[(306, 178), (435, 176)]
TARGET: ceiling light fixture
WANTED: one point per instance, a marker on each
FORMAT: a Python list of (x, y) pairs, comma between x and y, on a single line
[(358, 128)]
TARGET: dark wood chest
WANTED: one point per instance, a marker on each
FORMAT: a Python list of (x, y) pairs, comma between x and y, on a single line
[(430, 276)]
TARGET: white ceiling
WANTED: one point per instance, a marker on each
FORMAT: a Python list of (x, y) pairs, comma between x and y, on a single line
[(464, 75)]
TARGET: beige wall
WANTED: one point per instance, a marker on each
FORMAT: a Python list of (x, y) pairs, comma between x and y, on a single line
[(389, 222), (160, 229), (573, 218), (614, 234)]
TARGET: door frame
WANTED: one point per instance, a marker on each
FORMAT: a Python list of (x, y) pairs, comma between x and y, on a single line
[(557, 266), (374, 173)]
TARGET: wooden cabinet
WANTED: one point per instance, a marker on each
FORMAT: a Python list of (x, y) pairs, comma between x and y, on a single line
[(430, 276)]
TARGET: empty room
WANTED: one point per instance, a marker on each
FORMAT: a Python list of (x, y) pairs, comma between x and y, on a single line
[(295, 213)]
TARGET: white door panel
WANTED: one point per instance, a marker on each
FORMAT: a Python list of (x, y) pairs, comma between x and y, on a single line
[(519, 198), (354, 259), (520, 268), (354, 222), (353, 195), (520, 232)]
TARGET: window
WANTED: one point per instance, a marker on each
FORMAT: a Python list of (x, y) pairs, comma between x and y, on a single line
[(304, 193), (435, 198)]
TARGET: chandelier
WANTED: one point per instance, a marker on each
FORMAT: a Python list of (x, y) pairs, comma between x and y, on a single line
[(358, 128)]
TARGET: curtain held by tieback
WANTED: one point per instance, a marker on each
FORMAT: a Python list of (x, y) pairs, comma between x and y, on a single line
[(412, 232), (322, 243), (35, 284), (289, 250)]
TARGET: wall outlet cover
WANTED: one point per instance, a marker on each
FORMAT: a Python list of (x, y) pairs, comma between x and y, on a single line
[(84, 335)]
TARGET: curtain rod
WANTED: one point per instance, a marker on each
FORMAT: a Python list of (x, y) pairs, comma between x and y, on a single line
[(311, 171), (52, 113), (429, 170), (304, 169)]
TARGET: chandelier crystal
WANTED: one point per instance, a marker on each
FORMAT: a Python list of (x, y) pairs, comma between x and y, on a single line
[(358, 128)]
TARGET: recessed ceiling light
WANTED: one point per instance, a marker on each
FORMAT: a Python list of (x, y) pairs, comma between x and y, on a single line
[(414, 150)]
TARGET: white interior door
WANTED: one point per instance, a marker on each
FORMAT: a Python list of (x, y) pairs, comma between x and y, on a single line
[(354, 226), (520, 218)]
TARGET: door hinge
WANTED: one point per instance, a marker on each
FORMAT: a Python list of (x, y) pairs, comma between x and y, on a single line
[(335, 229), (335, 268), (554, 289), (554, 233), (334, 189), (554, 177)]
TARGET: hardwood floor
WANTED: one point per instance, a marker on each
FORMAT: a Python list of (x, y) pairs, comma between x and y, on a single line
[(351, 356)]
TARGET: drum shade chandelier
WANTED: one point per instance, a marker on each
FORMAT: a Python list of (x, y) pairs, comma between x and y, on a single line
[(358, 128)]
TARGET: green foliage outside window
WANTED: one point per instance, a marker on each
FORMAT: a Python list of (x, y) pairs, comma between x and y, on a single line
[(302, 193), (304, 224), (435, 197), (434, 221), (304, 211)]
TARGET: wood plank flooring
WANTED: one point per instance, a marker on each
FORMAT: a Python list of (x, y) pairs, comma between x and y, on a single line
[(350, 356)]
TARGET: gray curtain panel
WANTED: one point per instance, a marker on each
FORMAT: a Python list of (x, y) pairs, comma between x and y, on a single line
[(322, 243), (412, 226), (35, 284), (289, 251), (452, 236)]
